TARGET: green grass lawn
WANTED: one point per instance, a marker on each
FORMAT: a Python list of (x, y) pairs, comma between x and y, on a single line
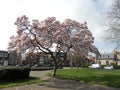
[(30, 80), (92, 76)]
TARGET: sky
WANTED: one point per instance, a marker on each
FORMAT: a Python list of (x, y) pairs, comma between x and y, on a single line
[(91, 11)]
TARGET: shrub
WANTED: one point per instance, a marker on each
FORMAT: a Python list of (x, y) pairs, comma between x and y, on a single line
[(115, 66), (1, 72), (41, 68), (12, 74), (86, 65), (102, 66)]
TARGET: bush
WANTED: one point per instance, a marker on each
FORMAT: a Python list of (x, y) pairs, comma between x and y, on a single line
[(41, 68), (1, 72), (115, 66), (102, 66), (11, 74), (86, 65)]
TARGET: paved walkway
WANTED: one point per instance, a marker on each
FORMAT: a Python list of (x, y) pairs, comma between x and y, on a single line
[(57, 84)]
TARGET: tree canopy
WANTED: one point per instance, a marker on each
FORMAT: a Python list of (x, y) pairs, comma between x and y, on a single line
[(42, 35), (68, 36)]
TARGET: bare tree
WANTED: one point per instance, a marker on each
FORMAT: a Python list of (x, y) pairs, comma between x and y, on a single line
[(113, 24), (68, 36)]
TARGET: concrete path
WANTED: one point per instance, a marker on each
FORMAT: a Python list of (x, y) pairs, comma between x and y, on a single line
[(57, 84), (40, 74)]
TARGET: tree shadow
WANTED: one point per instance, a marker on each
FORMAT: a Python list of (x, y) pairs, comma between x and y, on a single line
[(61, 84)]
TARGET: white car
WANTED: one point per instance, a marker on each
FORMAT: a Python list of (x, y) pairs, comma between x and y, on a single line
[(94, 66), (108, 67)]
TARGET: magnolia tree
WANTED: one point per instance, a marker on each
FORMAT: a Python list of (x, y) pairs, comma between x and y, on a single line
[(67, 37)]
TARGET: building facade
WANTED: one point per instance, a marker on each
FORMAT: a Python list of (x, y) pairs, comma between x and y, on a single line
[(4, 58), (37, 58), (109, 58)]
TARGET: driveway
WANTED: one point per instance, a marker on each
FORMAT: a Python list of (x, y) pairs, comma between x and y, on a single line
[(57, 84)]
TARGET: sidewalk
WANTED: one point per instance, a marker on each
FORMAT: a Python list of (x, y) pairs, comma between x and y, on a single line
[(57, 84)]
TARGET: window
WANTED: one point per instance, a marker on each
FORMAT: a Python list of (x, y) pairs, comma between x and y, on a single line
[(5, 54), (1, 54), (107, 62), (99, 62)]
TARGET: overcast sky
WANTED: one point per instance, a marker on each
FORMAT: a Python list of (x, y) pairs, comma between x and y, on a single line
[(91, 11)]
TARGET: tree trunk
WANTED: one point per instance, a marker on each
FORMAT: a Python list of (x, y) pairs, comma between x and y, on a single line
[(57, 64), (54, 70)]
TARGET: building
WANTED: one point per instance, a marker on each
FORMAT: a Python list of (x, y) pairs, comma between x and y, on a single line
[(37, 58), (14, 58), (108, 58), (4, 57)]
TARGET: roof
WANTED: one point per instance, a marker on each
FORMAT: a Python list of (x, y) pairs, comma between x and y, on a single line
[(106, 56), (3, 51)]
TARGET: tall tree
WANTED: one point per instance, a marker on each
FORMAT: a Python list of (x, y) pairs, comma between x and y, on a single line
[(67, 37), (77, 60), (113, 23)]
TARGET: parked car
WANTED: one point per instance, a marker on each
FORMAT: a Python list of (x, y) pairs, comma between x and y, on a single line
[(30, 65), (37, 65), (19, 65), (94, 66), (49, 65), (108, 67)]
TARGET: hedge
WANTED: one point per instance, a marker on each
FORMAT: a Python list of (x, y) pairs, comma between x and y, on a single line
[(11, 74), (43, 68), (2, 71), (116, 66)]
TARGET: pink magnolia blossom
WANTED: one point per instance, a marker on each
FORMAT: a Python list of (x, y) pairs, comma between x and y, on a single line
[(68, 34)]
